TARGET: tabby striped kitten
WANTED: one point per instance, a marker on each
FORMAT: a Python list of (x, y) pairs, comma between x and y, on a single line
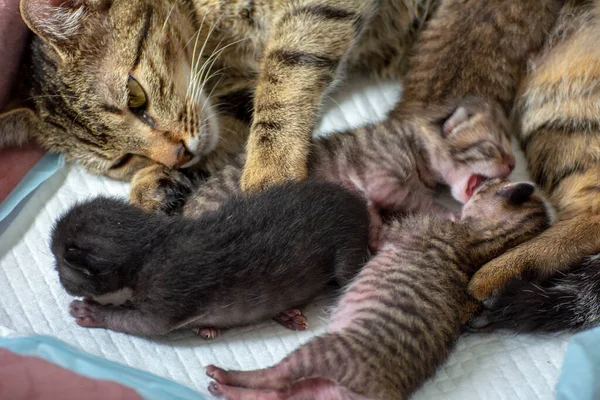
[(560, 134), (399, 319), (394, 166)]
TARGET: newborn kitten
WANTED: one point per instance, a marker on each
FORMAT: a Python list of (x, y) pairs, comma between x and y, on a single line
[(399, 319), (394, 166), (254, 257)]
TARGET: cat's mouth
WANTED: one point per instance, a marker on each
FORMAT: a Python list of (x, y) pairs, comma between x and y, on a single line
[(473, 183)]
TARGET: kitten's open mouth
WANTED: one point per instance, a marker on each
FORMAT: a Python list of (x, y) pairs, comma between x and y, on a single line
[(473, 183)]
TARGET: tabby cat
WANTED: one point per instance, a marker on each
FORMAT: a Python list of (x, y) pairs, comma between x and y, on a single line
[(398, 320), (396, 163), (560, 134), (394, 166), (118, 85)]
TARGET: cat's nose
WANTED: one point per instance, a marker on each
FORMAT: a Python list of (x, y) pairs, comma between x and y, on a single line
[(509, 164), (510, 161), (170, 155)]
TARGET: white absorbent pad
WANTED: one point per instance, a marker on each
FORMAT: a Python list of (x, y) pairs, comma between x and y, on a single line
[(483, 366)]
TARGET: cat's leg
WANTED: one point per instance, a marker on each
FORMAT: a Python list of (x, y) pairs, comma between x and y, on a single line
[(170, 191), (206, 333), (89, 314), (304, 55), (312, 388), (162, 189), (473, 47), (554, 250)]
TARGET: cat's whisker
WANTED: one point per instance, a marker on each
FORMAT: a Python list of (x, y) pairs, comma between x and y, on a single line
[(219, 72), (216, 54), (212, 28), (197, 35), (209, 97), (167, 19), (50, 96)]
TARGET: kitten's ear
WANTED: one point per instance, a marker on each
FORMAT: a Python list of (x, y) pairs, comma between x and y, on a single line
[(77, 259), (59, 22), (458, 117), (17, 125), (517, 193)]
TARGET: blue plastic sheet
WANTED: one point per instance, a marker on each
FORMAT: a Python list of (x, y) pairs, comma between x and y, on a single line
[(149, 386), (41, 171), (580, 374)]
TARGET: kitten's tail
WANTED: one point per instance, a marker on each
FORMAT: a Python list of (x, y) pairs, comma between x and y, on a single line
[(566, 302)]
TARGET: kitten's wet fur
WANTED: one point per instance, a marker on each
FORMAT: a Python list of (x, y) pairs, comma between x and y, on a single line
[(249, 260)]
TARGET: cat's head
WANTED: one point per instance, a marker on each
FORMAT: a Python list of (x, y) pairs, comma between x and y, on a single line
[(514, 212), (112, 79), (473, 145), (99, 245)]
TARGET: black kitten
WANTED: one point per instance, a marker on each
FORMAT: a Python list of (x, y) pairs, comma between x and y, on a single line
[(254, 257)]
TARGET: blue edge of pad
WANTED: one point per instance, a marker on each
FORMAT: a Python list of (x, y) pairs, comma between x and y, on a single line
[(41, 171), (150, 387), (580, 373)]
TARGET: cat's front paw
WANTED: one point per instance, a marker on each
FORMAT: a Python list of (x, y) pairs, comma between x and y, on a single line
[(261, 172), (160, 189), (87, 314), (493, 276)]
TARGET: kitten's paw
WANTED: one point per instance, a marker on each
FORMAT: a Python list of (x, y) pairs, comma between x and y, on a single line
[(262, 172), (236, 393), (479, 323), (162, 189), (207, 333), (87, 314), (292, 319)]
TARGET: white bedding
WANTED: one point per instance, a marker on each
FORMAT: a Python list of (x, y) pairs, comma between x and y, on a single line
[(484, 366)]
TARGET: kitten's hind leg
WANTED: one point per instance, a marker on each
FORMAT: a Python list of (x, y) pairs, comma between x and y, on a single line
[(292, 319), (312, 388), (89, 314)]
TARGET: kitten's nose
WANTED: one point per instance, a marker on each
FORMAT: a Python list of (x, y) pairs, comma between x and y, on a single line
[(510, 163), (172, 156)]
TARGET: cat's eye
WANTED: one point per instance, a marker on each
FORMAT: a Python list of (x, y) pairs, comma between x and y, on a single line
[(136, 97)]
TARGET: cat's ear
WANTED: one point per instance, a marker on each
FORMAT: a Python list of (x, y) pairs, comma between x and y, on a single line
[(59, 22), (17, 125), (458, 117), (517, 193), (77, 259)]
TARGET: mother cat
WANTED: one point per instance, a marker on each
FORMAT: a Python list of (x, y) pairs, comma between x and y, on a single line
[(119, 85)]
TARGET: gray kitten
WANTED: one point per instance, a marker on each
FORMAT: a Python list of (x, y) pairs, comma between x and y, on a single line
[(249, 260)]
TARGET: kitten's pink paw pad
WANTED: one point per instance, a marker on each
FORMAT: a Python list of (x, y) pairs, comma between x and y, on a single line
[(85, 314), (216, 373), (292, 319), (206, 333)]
